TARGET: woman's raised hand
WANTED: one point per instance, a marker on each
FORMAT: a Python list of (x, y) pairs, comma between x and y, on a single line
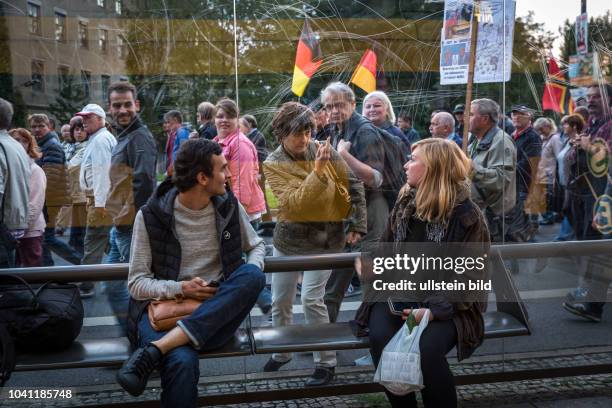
[(323, 156)]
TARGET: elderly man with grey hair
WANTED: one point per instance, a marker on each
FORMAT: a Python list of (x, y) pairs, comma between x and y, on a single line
[(493, 165), (360, 144), (14, 191), (443, 126)]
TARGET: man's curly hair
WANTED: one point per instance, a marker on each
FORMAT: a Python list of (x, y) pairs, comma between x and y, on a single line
[(194, 157)]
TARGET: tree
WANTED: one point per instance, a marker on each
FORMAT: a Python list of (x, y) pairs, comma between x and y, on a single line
[(71, 99), (600, 35)]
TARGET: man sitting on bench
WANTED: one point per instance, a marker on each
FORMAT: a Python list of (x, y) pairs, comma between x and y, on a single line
[(191, 232)]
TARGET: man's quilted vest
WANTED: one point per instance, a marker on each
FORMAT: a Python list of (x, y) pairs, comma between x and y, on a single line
[(158, 216)]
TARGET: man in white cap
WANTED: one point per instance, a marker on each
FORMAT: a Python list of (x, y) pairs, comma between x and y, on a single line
[(95, 181)]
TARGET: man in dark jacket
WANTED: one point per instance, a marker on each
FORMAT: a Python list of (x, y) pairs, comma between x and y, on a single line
[(359, 143), (528, 152), (206, 120), (248, 126), (53, 162), (590, 189), (173, 259), (132, 178)]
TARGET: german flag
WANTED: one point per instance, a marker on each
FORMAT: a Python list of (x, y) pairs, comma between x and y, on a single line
[(307, 59), (365, 73), (556, 94)]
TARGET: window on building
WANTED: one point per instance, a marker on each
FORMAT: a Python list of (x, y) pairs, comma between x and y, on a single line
[(101, 3), (103, 40), (118, 7), (60, 27), (86, 81), (34, 19), (120, 46), (105, 83), (83, 36), (38, 76), (63, 76)]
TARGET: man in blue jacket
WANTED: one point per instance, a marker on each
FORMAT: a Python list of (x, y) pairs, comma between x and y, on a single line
[(53, 162)]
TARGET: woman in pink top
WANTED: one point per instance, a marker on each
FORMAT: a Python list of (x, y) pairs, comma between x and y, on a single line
[(29, 250), (241, 155)]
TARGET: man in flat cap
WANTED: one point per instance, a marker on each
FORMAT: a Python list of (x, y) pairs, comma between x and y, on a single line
[(528, 153)]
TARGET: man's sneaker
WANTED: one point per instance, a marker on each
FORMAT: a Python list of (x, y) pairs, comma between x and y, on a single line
[(135, 372), (582, 310), (364, 361), (273, 365), (352, 291), (577, 295), (87, 290), (321, 376)]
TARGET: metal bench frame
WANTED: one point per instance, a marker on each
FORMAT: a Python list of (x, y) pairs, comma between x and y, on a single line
[(509, 320)]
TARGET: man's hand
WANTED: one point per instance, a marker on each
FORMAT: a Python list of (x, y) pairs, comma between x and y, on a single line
[(584, 142), (417, 313), (197, 288), (353, 237), (343, 146), (100, 212), (194, 135)]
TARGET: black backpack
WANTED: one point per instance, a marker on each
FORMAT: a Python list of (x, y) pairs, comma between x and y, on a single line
[(36, 318), (394, 176)]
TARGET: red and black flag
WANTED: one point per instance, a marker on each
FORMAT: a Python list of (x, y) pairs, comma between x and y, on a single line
[(307, 59), (556, 94)]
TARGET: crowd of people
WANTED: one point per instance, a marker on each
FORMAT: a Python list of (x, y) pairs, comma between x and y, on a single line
[(194, 235)]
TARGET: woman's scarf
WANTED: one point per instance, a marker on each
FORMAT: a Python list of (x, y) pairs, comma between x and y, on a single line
[(405, 209)]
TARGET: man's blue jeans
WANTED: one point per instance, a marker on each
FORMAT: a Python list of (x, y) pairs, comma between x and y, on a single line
[(117, 291), (209, 327)]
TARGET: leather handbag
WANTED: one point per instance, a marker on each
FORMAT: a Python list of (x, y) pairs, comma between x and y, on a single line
[(342, 198), (163, 314)]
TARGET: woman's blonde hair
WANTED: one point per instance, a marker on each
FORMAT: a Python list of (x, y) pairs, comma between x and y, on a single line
[(446, 174)]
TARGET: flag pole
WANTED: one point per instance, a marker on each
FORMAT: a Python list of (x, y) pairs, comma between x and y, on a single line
[(470, 83)]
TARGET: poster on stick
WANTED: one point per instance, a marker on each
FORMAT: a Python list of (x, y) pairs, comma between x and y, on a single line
[(582, 34), (493, 61)]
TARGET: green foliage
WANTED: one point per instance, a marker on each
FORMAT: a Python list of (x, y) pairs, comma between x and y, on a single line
[(600, 35), (70, 100)]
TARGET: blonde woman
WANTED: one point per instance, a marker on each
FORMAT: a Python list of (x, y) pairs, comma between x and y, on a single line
[(378, 109), (434, 206)]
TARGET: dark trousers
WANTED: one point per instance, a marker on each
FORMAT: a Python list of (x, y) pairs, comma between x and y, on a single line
[(78, 225), (436, 341), (211, 325), (51, 243), (29, 252)]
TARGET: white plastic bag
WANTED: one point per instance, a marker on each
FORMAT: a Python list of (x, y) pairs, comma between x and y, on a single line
[(399, 368)]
